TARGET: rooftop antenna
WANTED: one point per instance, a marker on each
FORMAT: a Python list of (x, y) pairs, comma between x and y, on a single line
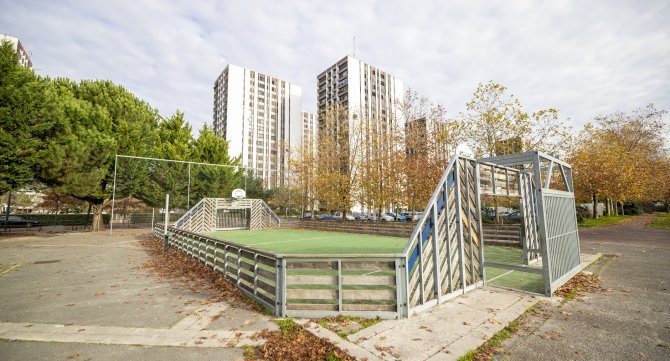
[(354, 46)]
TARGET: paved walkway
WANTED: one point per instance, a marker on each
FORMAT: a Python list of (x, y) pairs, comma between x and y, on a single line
[(84, 293), (444, 333), (629, 322)]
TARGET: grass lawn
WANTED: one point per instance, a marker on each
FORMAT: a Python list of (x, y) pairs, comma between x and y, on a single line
[(603, 221), (661, 221)]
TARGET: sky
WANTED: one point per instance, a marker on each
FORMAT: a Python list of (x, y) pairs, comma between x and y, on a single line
[(584, 58)]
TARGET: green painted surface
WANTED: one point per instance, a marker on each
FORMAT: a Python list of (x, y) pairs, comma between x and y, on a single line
[(294, 241), (531, 282)]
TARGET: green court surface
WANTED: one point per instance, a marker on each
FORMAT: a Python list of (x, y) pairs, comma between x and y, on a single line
[(531, 282), (297, 241), (294, 241)]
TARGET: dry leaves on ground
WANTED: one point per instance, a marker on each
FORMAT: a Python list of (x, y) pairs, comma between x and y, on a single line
[(177, 266), (294, 343), (581, 283)]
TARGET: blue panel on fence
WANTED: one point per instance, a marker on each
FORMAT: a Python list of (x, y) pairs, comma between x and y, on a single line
[(426, 230), (413, 257), (451, 179)]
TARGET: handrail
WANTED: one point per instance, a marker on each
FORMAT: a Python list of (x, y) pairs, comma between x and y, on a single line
[(190, 212), (269, 212)]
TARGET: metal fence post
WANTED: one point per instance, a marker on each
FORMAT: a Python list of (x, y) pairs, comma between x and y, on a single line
[(459, 223), (167, 220), (436, 253), (401, 286), (339, 285)]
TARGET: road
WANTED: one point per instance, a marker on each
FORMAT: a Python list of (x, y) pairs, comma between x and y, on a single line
[(630, 321)]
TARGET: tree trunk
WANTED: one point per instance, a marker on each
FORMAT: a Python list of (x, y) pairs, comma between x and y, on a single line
[(98, 224), (595, 205)]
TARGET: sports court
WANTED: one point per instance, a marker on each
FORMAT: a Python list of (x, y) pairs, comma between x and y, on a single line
[(296, 241)]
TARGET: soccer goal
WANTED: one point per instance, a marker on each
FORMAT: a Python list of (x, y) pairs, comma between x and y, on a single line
[(218, 214)]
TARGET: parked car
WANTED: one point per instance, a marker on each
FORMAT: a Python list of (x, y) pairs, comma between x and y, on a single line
[(401, 218), (416, 216), (326, 216), (388, 217), (372, 216), (307, 216), (513, 217), (348, 217), (16, 221)]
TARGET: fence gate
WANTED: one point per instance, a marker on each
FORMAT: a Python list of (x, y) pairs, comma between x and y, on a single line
[(548, 204)]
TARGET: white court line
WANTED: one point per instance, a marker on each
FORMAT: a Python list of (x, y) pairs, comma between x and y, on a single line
[(369, 273), (297, 240), (495, 278)]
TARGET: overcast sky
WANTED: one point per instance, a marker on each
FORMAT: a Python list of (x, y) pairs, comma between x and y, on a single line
[(582, 57)]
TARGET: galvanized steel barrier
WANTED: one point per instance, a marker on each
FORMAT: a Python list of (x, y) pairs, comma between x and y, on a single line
[(301, 285), (444, 256)]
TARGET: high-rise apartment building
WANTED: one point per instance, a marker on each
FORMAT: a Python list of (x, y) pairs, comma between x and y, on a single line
[(425, 136), (368, 99), (366, 92), (309, 134), (24, 58), (261, 117)]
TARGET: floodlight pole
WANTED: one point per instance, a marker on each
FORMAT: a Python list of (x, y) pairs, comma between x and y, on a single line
[(167, 219), (152, 219), (111, 220)]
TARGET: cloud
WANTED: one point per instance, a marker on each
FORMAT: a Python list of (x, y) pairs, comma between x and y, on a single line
[(583, 58)]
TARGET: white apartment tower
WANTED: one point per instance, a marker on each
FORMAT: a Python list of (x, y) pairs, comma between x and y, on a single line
[(24, 58), (367, 92), (261, 118), (309, 130)]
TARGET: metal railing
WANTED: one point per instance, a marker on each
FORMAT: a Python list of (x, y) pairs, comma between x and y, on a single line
[(365, 285)]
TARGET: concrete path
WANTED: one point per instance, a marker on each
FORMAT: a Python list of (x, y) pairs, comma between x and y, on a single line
[(86, 295), (446, 332), (88, 291), (629, 322)]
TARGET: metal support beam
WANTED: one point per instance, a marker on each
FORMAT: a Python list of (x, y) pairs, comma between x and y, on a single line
[(459, 223), (436, 253)]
